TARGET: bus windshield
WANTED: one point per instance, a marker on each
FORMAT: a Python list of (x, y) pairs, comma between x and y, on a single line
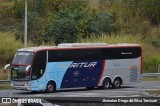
[(18, 73), (23, 57)]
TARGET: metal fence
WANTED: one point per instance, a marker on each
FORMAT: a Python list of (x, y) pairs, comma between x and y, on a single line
[(4, 81), (151, 75)]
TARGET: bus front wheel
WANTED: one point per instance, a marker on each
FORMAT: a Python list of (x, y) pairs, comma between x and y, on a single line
[(106, 83), (51, 87)]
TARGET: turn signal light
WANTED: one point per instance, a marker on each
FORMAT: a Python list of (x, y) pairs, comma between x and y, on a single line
[(5, 71), (26, 72)]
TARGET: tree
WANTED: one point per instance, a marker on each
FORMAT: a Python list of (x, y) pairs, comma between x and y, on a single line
[(68, 25)]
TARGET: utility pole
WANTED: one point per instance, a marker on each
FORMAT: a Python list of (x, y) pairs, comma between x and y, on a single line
[(25, 26)]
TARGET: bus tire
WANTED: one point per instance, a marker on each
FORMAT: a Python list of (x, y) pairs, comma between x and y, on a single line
[(51, 87), (106, 83), (117, 83)]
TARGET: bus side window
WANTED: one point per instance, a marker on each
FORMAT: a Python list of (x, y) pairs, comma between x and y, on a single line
[(39, 65), (94, 54), (127, 53), (108, 53)]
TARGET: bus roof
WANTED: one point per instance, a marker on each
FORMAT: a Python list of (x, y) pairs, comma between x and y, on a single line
[(77, 45)]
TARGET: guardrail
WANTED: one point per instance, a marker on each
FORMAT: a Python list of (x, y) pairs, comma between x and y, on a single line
[(151, 75), (4, 81)]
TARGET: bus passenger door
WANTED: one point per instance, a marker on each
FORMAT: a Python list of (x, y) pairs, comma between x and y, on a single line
[(38, 69)]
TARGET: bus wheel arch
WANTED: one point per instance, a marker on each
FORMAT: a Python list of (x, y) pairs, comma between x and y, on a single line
[(117, 82), (51, 86), (106, 83)]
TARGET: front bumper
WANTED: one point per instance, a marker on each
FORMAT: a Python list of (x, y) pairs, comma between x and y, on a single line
[(26, 88)]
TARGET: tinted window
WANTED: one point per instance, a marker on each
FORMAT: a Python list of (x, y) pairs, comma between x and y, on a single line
[(121, 53), (126, 53), (39, 65), (108, 53), (23, 58), (93, 54), (74, 55)]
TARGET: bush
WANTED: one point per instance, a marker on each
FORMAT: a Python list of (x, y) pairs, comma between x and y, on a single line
[(151, 63), (68, 25), (18, 8), (156, 43), (133, 16), (32, 20), (8, 46), (153, 60)]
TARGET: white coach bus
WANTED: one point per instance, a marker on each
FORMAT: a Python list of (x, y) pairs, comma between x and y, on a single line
[(69, 65)]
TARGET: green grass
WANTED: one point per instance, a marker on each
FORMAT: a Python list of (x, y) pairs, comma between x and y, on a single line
[(151, 79), (9, 44), (155, 92), (6, 3), (3, 76), (6, 104), (5, 86)]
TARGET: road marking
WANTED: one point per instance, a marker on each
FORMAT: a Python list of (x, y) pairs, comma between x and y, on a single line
[(144, 89), (127, 96), (118, 96), (119, 91), (157, 86), (135, 96)]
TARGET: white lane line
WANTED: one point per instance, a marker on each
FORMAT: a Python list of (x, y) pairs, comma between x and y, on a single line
[(144, 89), (83, 94), (119, 91), (117, 96), (157, 86), (126, 96), (70, 94), (131, 90), (135, 96), (95, 94)]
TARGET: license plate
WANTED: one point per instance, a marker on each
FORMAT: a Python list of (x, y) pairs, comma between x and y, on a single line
[(19, 83)]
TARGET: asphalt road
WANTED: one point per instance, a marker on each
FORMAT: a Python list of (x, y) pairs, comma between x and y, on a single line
[(134, 90)]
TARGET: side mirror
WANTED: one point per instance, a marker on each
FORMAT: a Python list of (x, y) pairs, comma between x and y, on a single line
[(5, 68), (27, 69)]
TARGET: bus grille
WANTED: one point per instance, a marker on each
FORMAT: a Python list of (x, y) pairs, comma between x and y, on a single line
[(133, 74)]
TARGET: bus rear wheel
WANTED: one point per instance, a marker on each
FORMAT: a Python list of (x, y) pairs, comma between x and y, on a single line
[(106, 83), (117, 83), (51, 87)]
